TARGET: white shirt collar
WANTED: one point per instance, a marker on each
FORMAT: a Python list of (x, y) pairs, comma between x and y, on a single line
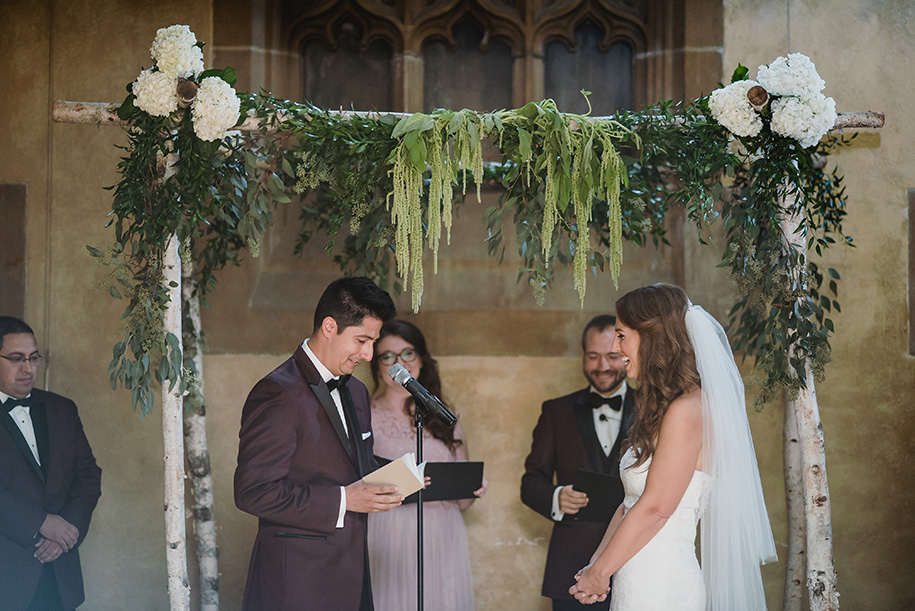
[(324, 371)]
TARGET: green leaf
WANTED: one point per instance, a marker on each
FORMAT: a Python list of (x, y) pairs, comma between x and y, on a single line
[(114, 292), (127, 109), (740, 73), (524, 144)]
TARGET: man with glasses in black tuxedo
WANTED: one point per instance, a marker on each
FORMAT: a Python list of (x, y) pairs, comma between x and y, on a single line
[(582, 430), (47, 492)]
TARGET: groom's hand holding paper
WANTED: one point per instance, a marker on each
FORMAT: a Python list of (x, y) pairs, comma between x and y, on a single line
[(362, 497), (445, 481)]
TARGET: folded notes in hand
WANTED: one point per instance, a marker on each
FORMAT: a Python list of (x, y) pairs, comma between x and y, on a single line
[(403, 473)]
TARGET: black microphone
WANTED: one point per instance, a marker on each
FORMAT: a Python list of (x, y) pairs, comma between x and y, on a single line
[(428, 401)]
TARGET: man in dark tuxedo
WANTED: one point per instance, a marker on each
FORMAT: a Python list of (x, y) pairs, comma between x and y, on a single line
[(583, 430), (49, 483), (304, 445)]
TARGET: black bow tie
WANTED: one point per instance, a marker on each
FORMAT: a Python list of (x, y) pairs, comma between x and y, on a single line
[(12, 403), (337, 382), (595, 401)]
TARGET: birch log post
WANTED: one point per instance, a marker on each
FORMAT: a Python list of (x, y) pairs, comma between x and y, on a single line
[(794, 501), (821, 572), (173, 438), (198, 455)]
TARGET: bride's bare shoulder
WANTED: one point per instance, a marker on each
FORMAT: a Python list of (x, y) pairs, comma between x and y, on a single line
[(686, 410)]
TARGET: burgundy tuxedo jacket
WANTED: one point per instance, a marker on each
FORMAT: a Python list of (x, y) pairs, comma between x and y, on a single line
[(564, 441), (68, 483), (293, 456)]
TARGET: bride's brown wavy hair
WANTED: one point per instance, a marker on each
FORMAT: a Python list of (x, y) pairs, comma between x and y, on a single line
[(666, 365)]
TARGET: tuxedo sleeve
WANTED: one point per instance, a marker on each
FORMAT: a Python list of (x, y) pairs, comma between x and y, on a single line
[(86, 487), (537, 486), (19, 518), (267, 445)]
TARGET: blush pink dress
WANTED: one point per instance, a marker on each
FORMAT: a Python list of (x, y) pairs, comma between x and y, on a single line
[(448, 583)]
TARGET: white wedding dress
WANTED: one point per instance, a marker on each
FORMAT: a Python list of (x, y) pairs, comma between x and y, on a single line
[(664, 575)]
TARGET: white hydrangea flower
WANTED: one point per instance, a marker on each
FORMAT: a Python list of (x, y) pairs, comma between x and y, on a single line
[(176, 53), (803, 119), (731, 108), (795, 75), (215, 110), (156, 93)]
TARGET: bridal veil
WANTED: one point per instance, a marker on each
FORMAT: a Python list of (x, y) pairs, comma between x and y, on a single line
[(735, 533)]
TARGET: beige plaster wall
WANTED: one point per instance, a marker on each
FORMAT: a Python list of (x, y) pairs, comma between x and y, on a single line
[(88, 50)]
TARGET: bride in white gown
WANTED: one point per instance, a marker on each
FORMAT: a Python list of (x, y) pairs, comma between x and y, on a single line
[(690, 456)]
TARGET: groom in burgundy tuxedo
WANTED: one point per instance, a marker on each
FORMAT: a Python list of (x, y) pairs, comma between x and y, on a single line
[(583, 430), (49, 483), (305, 444)]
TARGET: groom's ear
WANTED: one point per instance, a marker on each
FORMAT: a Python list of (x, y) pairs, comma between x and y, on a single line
[(329, 327)]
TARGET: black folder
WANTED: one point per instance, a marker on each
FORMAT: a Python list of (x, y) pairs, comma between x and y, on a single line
[(450, 480), (599, 488)]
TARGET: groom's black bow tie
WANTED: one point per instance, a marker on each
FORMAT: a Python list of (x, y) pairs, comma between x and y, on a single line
[(337, 382), (595, 401), (12, 403)]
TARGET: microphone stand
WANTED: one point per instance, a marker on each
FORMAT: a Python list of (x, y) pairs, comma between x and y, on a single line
[(418, 420)]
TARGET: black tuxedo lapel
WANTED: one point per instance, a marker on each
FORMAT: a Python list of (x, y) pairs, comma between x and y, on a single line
[(42, 436), (10, 425), (327, 402), (584, 416), (322, 393)]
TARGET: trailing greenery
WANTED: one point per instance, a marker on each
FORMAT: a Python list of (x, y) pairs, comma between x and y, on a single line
[(382, 188)]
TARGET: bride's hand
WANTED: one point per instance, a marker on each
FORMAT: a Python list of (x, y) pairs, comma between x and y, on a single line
[(589, 588)]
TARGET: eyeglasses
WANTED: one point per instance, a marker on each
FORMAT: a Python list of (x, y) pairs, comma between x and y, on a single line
[(19, 360), (408, 355)]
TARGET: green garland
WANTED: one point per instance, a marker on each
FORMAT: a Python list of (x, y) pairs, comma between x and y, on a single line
[(575, 186)]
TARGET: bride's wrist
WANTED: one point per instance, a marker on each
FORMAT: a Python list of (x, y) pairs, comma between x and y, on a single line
[(600, 572)]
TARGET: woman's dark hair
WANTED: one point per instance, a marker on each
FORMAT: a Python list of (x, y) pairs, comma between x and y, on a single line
[(428, 376), (666, 362)]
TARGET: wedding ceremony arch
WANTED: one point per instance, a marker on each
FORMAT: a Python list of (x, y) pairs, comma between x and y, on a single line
[(193, 194)]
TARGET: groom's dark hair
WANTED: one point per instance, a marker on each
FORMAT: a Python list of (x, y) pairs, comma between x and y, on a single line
[(349, 301)]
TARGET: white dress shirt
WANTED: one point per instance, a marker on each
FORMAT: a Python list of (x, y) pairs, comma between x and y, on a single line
[(22, 416), (338, 401)]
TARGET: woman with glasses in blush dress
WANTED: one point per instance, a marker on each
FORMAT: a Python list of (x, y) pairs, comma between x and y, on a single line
[(447, 580)]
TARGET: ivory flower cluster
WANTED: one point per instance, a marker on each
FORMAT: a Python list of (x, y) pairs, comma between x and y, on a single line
[(176, 55), (215, 110), (794, 75), (797, 107), (155, 93), (732, 109)]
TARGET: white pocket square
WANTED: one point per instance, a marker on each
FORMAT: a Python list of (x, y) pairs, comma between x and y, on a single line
[(366, 435)]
